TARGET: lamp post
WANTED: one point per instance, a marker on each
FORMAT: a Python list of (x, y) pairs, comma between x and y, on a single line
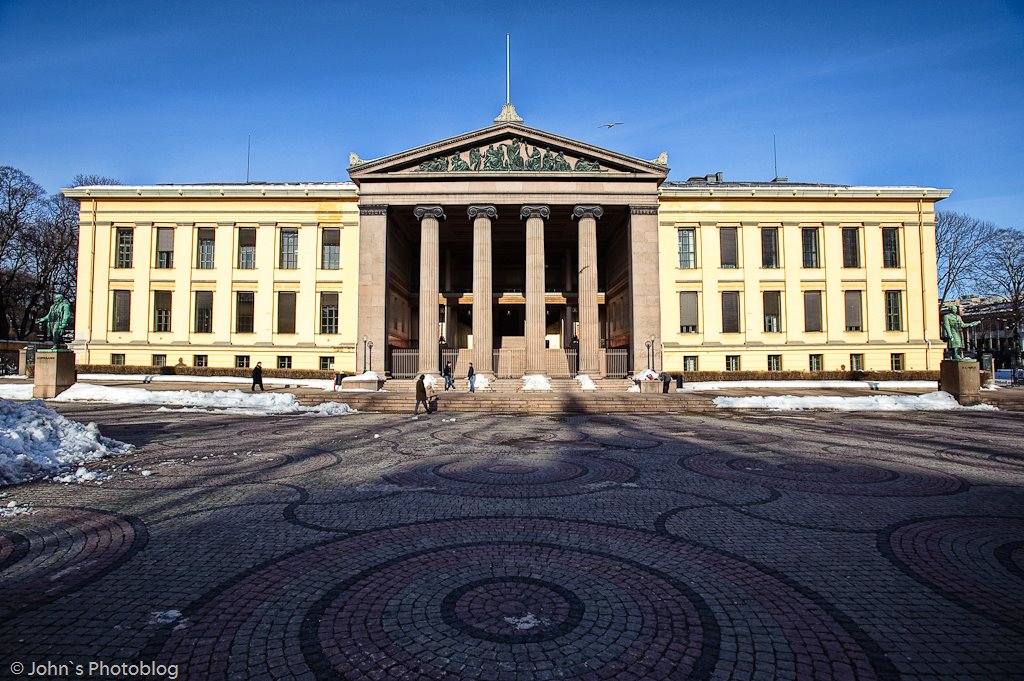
[(650, 351), (441, 343), (364, 354), (369, 348)]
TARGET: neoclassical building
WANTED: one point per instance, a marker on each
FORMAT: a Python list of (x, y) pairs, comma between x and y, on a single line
[(517, 250)]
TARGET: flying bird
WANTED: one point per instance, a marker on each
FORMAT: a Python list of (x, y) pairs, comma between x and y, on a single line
[(609, 125)]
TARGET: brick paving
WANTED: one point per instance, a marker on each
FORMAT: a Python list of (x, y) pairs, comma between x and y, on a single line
[(375, 546)]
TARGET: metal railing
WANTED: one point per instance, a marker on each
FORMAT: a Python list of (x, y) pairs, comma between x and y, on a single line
[(509, 362), (617, 362), (404, 363), (572, 358)]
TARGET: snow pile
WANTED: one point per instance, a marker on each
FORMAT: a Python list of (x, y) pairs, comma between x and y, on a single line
[(16, 391), (225, 401), (82, 474), (536, 382), (365, 376), (321, 383), (635, 388), (36, 441), (874, 385), (12, 509), (430, 382), (481, 382), (937, 401), (586, 382), (646, 375)]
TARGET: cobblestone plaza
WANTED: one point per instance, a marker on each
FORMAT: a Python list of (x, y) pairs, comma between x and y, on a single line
[(799, 546)]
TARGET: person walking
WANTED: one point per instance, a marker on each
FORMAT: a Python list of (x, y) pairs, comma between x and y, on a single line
[(449, 382), (471, 377), (257, 377), (421, 396)]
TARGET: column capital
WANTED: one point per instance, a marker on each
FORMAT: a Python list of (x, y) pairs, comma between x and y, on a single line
[(591, 211), (482, 212), (435, 212), (643, 209), (373, 209), (542, 212)]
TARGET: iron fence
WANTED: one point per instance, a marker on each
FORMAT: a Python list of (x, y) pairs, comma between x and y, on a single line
[(404, 363), (617, 362)]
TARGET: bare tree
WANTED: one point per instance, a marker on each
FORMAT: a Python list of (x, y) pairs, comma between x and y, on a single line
[(1001, 272), (22, 205), (959, 242)]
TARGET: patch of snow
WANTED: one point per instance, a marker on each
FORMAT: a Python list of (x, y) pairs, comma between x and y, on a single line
[(159, 618), (481, 383), (36, 442), (633, 388), (322, 383), (146, 474), (536, 382), (365, 376), (430, 382), (18, 391), (527, 622), (221, 401), (936, 401), (586, 382), (13, 508), (646, 375), (81, 474), (874, 385)]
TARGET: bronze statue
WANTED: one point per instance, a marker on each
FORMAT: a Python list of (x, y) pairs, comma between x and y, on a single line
[(458, 163), (561, 164), (474, 158), (515, 158), (535, 161), (57, 319), (953, 325), (494, 159)]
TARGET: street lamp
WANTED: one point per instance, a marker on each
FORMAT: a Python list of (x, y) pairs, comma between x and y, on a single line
[(369, 347), (650, 352), (364, 354)]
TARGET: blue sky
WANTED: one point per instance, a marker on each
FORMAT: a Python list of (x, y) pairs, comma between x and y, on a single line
[(924, 93)]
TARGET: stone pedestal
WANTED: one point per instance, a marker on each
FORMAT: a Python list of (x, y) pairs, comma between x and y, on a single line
[(354, 383), (24, 367), (962, 380), (55, 372), (650, 387)]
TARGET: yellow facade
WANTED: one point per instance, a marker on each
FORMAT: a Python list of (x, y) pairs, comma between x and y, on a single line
[(892, 291), (310, 209), (828, 210)]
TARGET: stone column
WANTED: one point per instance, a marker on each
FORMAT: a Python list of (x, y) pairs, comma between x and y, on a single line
[(483, 298), (373, 289), (590, 361), (535, 323), (644, 284), (430, 270)]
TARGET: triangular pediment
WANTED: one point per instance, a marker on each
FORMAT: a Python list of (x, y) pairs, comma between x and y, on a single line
[(506, 149)]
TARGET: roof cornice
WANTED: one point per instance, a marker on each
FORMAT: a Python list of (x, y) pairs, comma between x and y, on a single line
[(784, 192), (326, 190)]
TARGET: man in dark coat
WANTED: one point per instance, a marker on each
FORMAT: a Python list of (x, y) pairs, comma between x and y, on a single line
[(421, 396), (449, 382), (257, 377)]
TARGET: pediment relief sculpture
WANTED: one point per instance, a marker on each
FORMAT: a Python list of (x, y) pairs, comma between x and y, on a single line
[(511, 156)]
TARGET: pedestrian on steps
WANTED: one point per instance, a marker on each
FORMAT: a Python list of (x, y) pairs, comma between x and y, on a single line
[(421, 396), (449, 382), (257, 377), (471, 377)]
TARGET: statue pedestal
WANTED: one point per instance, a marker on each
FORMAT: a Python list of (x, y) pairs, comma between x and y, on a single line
[(55, 372), (962, 380)]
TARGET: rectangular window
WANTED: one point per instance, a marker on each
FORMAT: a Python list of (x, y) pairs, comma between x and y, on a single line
[(159, 361), (204, 248), (161, 311), (732, 362), (770, 248), (687, 248), (125, 242), (854, 308), (284, 361), (688, 312), (117, 359), (730, 312), (241, 361), (122, 311), (690, 363), (204, 312), (246, 248), (286, 311), (164, 247), (817, 362), (728, 247), (809, 240), (851, 247), (896, 361), (893, 310), (772, 311), (200, 360), (328, 312), (857, 362), (890, 247), (327, 364), (245, 304), (812, 310), (774, 362), (330, 257), (289, 259)]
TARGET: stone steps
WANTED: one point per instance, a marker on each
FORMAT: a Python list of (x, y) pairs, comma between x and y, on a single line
[(515, 385), (524, 403)]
